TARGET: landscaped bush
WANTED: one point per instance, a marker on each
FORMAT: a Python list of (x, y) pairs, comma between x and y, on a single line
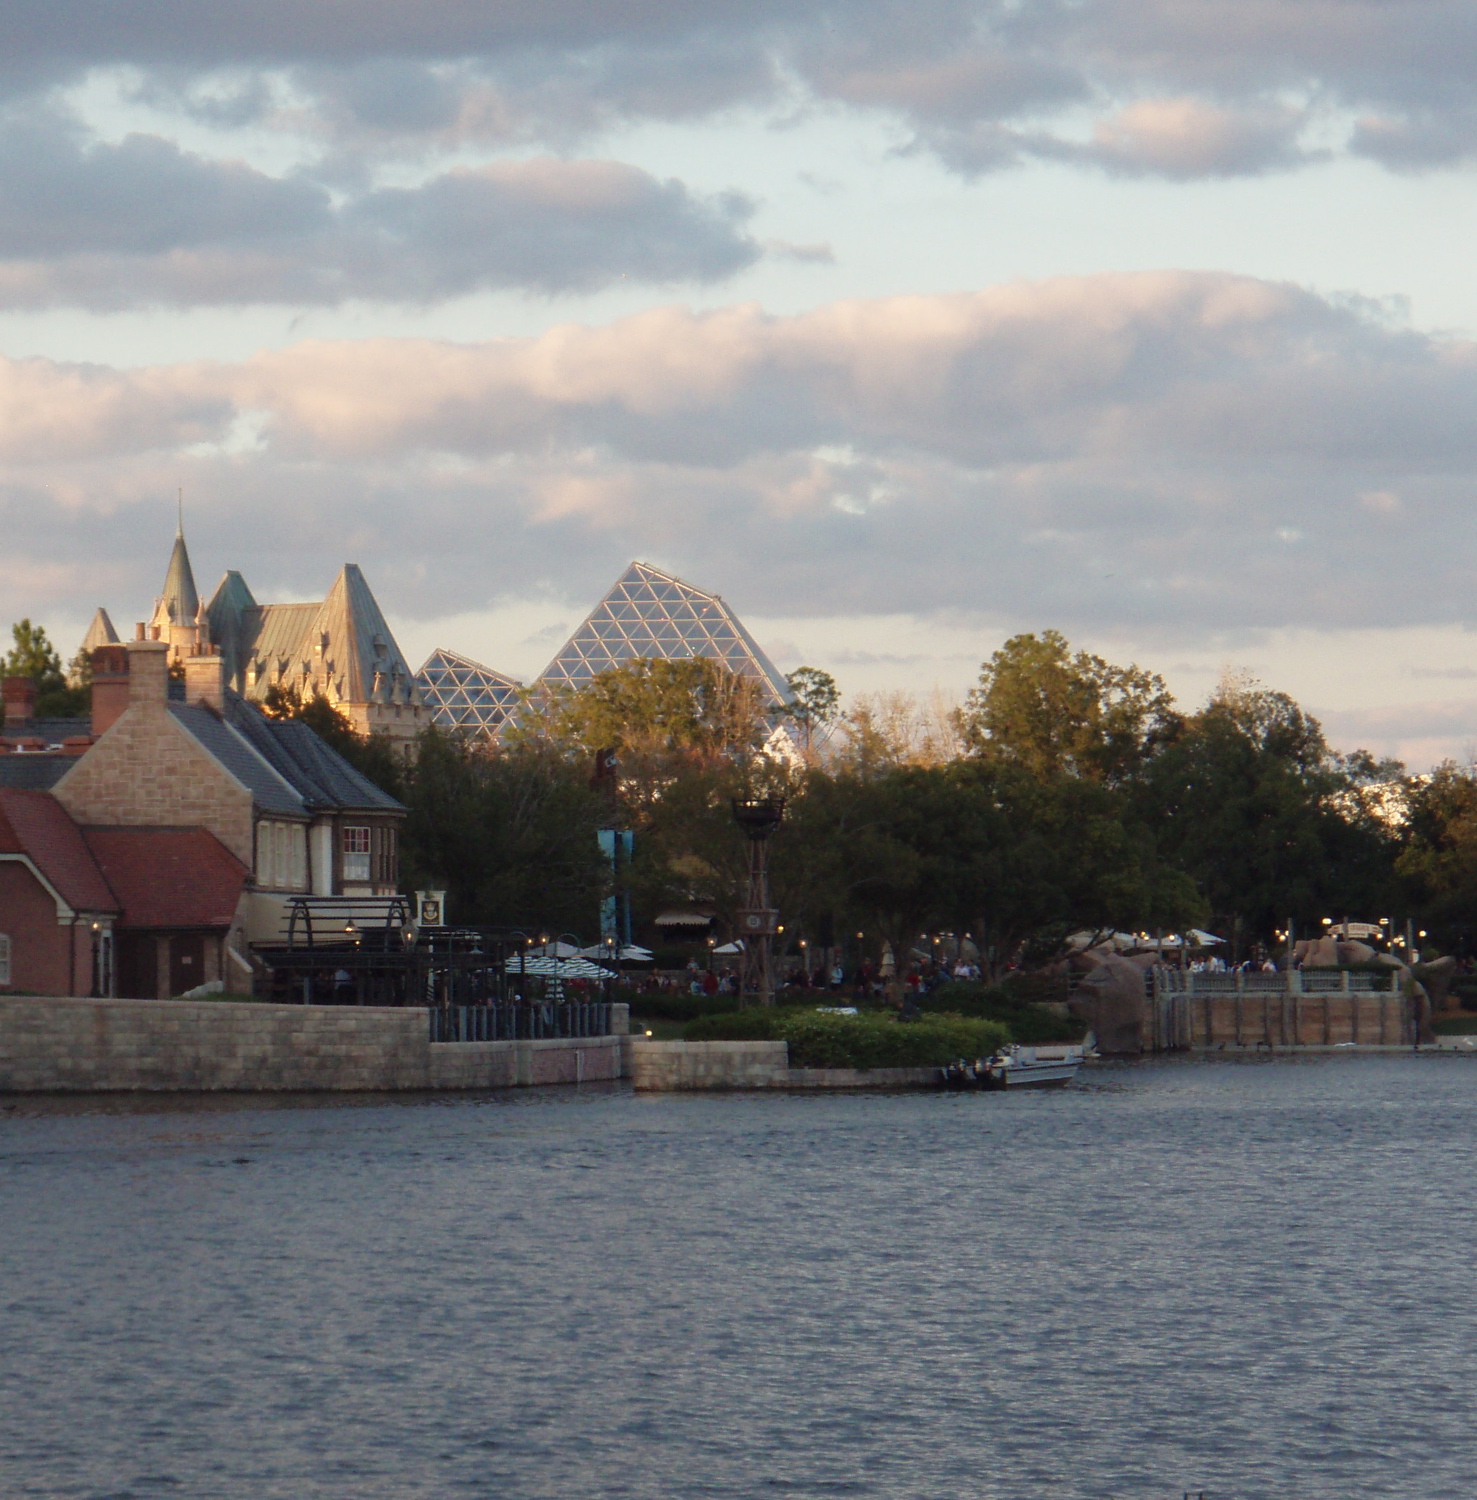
[(673, 1005), (818, 1040), (1028, 1022)]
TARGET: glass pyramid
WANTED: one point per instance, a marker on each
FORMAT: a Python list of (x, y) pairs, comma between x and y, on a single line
[(652, 614), (463, 694)]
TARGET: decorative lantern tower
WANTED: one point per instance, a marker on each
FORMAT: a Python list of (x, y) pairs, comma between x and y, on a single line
[(758, 920)]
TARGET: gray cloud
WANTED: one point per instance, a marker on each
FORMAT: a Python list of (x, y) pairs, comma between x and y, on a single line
[(982, 82), (140, 221), (1191, 455)]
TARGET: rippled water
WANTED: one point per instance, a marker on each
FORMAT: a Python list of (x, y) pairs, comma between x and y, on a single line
[(1250, 1278)]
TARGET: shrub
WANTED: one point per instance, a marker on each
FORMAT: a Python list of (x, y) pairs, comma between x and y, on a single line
[(675, 1006), (818, 1040), (1028, 1022)]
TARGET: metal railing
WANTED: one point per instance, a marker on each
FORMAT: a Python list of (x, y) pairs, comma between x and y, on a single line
[(519, 1023), (1290, 982)]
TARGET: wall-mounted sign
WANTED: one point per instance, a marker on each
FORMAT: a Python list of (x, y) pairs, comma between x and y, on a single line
[(430, 908)]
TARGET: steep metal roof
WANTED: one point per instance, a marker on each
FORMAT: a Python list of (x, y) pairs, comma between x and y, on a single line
[(342, 648), (649, 613), (179, 603), (99, 633)]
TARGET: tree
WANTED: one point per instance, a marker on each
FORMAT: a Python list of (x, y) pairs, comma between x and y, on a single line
[(1438, 864), (1249, 801), (816, 700), (510, 834), (372, 755), (1054, 713), (33, 656)]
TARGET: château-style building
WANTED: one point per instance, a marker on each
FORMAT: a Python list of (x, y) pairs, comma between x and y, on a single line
[(340, 647)]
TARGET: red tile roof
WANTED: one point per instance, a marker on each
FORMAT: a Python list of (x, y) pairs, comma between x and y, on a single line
[(169, 877), (37, 825)]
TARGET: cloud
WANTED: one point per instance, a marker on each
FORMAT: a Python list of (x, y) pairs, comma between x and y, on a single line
[(108, 225), (1210, 88), (1124, 450)]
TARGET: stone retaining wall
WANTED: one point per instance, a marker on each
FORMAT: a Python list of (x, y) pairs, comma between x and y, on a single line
[(93, 1046), (671, 1067), (662, 1067)]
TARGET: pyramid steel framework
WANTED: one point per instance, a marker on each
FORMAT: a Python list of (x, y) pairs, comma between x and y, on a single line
[(652, 614), (463, 694)]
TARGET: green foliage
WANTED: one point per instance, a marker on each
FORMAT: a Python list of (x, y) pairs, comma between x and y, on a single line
[(1249, 801), (1026, 1021), (1438, 863), (816, 700), (670, 1006), (692, 708), (32, 655), (372, 755), (862, 1041), (510, 834), (1051, 713)]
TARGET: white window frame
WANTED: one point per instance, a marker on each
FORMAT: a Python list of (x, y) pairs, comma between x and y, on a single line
[(356, 843)]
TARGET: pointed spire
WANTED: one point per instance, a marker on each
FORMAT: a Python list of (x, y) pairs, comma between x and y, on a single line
[(179, 603)]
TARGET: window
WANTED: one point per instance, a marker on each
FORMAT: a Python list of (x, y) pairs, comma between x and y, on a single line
[(4, 958), (356, 854)]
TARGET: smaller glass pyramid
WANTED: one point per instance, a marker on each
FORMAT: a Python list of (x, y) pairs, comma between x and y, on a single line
[(463, 694), (650, 613)]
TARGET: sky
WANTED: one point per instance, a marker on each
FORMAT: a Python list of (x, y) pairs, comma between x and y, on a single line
[(905, 327)]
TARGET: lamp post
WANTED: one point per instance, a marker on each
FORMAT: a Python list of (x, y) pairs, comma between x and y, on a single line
[(758, 817)]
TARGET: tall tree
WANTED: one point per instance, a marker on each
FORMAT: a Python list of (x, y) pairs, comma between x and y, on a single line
[(33, 655), (1052, 712), (510, 834), (817, 699), (1250, 801)]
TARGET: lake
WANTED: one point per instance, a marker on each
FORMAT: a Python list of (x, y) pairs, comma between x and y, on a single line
[(1252, 1278)]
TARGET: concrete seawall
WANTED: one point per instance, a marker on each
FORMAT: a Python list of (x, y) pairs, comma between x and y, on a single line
[(95, 1046)]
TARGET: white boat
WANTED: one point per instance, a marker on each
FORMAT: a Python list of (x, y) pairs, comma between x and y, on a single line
[(1016, 1067)]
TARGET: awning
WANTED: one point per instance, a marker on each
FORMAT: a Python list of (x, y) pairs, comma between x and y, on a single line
[(683, 919), (557, 968)]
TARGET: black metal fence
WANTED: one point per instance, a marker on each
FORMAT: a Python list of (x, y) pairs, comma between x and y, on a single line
[(518, 1023)]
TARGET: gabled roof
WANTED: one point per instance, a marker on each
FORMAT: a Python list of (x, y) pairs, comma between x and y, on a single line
[(37, 825), (269, 789), (463, 694), (168, 877), (649, 613), (319, 775)]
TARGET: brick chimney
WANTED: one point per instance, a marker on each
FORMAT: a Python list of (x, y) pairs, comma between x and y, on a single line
[(148, 673), (205, 679), (109, 686), (20, 705)]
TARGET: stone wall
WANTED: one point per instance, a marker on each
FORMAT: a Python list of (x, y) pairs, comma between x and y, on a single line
[(90, 1046), (661, 1067), (149, 771)]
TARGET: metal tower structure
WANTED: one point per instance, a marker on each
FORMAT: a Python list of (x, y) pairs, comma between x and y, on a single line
[(758, 920)]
